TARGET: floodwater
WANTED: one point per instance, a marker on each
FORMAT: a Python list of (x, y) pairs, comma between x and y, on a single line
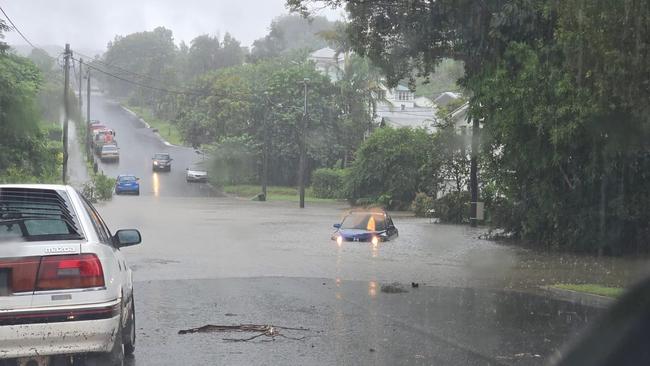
[(228, 261), (227, 237)]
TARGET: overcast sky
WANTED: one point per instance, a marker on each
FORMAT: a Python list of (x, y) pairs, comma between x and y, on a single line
[(90, 24)]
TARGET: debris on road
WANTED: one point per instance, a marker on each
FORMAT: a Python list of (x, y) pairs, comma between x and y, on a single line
[(393, 288), (271, 331)]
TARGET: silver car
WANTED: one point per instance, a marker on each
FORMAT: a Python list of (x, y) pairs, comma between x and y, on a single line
[(65, 287), (196, 174), (109, 153)]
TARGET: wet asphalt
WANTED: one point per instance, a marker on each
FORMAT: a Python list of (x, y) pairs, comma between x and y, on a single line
[(137, 145), (228, 261)]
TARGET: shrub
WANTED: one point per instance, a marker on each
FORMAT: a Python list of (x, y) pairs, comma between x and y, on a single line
[(453, 207), (234, 161), (422, 204), (99, 188), (328, 183)]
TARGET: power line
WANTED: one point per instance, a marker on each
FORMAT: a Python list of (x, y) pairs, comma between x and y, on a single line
[(16, 29), (141, 84)]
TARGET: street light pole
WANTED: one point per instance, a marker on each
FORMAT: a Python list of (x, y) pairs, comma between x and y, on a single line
[(265, 158), (303, 159)]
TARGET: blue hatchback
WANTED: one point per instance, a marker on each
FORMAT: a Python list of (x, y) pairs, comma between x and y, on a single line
[(127, 183), (365, 226)]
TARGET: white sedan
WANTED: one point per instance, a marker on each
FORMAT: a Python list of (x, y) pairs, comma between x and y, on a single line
[(65, 287), (196, 174)]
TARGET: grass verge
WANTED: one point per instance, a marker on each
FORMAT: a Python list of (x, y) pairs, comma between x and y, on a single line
[(593, 289), (166, 129), (274, 193)]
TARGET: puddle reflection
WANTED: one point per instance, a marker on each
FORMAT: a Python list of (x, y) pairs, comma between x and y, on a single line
[(372, 288), (156, 184)]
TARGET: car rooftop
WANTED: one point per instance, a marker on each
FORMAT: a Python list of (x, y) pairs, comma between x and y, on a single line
[(36, 186)]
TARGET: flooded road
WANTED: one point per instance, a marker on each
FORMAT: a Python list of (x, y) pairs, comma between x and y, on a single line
[(226, 237), (137, 145), (349, 323), (478, 302)]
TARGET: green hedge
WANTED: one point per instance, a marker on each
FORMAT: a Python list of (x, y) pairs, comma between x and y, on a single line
[(99, 188), (421, 204), (453, 207), (329, 183)]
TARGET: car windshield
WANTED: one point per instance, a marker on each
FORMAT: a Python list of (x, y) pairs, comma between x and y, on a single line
[(327, 182), (364, 221)]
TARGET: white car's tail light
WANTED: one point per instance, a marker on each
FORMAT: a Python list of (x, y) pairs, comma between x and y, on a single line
[(22, 273), (70, 271)]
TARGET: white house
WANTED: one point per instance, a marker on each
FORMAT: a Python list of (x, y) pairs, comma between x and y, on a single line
[(397, 107), (328, 62)]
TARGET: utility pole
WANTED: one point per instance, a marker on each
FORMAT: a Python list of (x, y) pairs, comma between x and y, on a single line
[(303, 159), (473, 173), (88, 135), (66, 113), (81, 61)]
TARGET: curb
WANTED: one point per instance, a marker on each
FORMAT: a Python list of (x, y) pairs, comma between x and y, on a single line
[(148, 126), (577, 297)]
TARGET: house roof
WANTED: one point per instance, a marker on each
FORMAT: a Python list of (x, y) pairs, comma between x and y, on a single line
[(447, 97), (411, 117), (325, 53), (401, 87)]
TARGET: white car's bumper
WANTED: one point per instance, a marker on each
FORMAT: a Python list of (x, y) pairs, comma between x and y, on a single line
[(198, 177), (57, 338)]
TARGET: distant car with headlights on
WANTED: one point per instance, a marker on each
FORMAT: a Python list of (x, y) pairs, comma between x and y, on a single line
[(161, 161), (196, 174), (110, 153), (365, 226), (66, 291), (127, 183)]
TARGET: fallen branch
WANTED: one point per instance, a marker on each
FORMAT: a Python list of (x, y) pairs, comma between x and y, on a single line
[(271, 331)]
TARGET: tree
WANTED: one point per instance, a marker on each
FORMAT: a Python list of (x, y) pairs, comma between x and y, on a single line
[(207, 53), (586, 127), (203, 55), (264, 101), (561, 89), (3, 28), (150, 54), (358, 94), (291, 32), (49, 91), (392, 164), (25, 153), (408, 39)]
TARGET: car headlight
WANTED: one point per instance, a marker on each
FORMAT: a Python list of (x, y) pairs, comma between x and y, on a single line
[(339, 240), (155, 163), (375, 240)]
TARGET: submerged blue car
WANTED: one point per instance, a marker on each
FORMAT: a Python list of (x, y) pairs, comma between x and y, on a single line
[(365, 226), (127, 183)]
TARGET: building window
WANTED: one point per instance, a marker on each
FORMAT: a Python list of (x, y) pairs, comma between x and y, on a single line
[(402, 95)]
